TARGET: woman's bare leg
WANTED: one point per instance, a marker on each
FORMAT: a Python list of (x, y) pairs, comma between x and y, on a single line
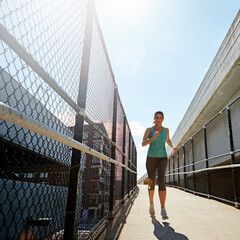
[(150, 192), (151, 195)]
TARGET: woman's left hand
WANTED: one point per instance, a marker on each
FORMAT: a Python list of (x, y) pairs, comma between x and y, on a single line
[(175, 149)]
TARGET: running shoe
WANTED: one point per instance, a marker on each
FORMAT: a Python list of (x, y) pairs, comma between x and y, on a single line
[(151, 209), (164, 214)]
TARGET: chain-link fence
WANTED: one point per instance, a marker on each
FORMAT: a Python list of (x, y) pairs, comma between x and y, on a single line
[(209, 162), (55, 75)]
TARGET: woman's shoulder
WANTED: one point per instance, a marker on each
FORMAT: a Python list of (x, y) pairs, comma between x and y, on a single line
[(167, 130), (148, 132), (149, 129)]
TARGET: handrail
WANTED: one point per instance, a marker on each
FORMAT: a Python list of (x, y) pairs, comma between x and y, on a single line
[(204, 160), (10, 114), (206, 169)]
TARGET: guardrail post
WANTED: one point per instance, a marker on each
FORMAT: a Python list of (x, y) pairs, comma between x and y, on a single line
[(169, 169), (123, 158), (136, 167), (193, 167), (234, 176), (113, 155), (129, 165), (184, 169), (178, 169), (133, 156), (70, 231), (173, 170), (206, 157)]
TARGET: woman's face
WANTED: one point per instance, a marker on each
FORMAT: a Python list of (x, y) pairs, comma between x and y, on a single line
[(158, 118)]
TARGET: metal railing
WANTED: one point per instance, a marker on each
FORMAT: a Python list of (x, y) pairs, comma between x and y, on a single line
[(68, 158), (208, 163)]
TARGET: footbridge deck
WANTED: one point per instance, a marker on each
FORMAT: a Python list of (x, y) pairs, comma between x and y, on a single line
[(190, 217)]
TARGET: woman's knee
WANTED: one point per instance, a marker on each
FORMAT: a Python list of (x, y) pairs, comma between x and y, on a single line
[(151, 184)]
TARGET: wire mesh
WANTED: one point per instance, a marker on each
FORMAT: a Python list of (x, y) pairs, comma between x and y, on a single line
[(199, 150), (171, 180), (95, 188), (212, 148), (181, 170), (176, 169), (235, 121), (127, 139), (218, 129), (100, 90), (119, 143), (129, 157), (167, 177), (131, 180), (52, 32), (35, 170), (188, 161), (222, 179), (135, 167)]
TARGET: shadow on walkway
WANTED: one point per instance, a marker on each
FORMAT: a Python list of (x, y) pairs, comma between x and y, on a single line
[(114, 227), (165, 232)]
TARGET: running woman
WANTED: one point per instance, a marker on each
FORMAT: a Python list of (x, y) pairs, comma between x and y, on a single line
[(156, 136)]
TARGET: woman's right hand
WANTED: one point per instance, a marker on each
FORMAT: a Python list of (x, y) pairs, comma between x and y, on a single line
[(156, 134)]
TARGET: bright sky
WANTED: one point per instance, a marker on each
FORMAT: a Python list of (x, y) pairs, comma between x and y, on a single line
[(160, 51)]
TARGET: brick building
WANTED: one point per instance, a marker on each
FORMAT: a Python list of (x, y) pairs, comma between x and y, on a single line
[(96, 176)]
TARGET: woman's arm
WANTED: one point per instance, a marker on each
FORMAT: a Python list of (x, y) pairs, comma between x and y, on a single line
[(169, 142), (146, 140)]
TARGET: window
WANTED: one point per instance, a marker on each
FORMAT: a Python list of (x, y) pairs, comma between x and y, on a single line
[(97, 145), (94, 186), (85, 135), (96, 134), (93, 200), (95, 160), (94, 172)]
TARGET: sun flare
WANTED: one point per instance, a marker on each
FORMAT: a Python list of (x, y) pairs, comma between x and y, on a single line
[(125, 9)]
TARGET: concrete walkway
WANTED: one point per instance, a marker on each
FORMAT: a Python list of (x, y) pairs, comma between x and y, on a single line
[(190, 217)]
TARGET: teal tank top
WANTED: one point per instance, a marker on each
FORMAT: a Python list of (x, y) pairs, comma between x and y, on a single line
[(157, 146)]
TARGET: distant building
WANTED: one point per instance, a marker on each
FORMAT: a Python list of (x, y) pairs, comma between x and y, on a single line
[(96, 176)]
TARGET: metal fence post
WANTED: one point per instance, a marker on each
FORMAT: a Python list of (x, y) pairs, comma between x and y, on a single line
[(129, 157), (184, 169), (131, 167), (234, 176), (123, 158), (178, 169), (70, 230), (113, 155), (193, 167), (136, 166), (169, 169), (132, 177), (173, 170), (206, 156)]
